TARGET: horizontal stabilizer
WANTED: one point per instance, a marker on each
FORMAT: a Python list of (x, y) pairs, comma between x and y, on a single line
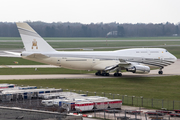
[(11, 54)]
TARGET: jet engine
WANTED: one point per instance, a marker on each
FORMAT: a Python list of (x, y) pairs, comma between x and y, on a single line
[(139, 69)]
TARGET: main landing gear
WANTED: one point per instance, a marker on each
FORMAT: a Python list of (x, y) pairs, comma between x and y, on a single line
[(117, 74), (101, 73), (160, 71), (104, 73)]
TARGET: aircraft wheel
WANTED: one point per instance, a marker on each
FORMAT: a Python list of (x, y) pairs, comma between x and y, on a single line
[(107, 74), (97, 73), (160, 72), (115, 74), (103, 74), (120, 74)]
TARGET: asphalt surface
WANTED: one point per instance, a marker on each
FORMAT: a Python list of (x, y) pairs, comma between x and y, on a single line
[(49, 76), (171, 70)]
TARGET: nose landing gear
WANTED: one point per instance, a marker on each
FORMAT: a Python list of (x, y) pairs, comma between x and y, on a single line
[(160, 71)]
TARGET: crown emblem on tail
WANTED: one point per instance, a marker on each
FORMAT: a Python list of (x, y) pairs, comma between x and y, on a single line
[(34, 44)]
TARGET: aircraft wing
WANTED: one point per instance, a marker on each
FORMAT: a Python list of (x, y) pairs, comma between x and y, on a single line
[(124, 62), (121, 64)]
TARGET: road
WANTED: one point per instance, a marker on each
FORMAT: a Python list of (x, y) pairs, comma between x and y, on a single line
[(49, 76)]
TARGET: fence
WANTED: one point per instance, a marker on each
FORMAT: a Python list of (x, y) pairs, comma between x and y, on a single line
[(35, 104), (134, 100), (31, 106), (29, 114), (128, 115)]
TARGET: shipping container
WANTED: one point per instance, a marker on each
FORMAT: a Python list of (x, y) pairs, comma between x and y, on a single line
[(84, 106)]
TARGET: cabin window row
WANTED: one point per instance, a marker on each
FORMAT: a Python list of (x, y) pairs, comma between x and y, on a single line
[(147, 51)]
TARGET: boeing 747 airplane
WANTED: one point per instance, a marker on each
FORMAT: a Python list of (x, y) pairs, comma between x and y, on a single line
[(137, 60)]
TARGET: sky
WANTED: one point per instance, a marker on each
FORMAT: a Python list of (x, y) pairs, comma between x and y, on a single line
[(91, 11)]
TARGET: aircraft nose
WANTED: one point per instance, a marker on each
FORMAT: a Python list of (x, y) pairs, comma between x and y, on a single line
[(174, 58)]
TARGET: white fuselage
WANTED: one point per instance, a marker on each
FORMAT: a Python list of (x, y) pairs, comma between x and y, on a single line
[(93, 60)]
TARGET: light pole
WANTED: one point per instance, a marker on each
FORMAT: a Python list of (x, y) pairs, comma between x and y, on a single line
[(141, 101), (124, 98), (132, 100), (103, 93), (109, 95), (118, 95)]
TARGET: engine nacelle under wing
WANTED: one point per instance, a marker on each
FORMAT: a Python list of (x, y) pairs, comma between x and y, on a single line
[(139, 69)]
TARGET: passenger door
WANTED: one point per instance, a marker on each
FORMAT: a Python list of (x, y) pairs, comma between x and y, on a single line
[(58, 61)]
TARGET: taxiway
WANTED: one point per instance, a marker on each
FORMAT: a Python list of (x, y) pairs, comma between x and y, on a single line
[(171, 70)]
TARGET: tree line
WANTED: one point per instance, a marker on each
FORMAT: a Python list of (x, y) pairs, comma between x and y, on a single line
[(59, 29)]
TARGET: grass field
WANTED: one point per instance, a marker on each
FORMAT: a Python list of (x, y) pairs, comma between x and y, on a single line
[(94, 38), (171, 46), (149, 87), (108, 43), (166, 88), (11, 61), (111, 44), (11, 45)]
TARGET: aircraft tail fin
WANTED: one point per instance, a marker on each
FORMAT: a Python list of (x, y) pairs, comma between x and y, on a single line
[(32, 41)]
